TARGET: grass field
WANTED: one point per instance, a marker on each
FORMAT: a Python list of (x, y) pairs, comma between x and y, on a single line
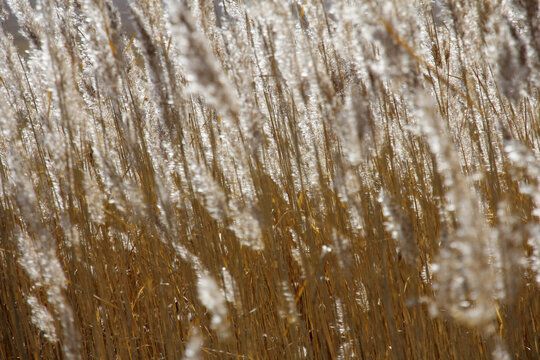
[(270, 180)]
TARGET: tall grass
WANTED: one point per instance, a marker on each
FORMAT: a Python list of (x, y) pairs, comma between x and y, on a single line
[(271, 179)]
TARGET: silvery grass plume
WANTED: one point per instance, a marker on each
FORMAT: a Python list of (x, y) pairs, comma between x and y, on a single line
[(205, 78), (465, 281), (204, 75), (212, 296), (35, 195), (42, 318), (400, 228), (39, 258), (527, 162)]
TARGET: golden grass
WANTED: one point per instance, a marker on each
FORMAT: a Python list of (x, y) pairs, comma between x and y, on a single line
[(240, 179)]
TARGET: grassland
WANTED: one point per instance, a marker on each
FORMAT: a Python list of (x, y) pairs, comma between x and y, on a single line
[(270, 180)]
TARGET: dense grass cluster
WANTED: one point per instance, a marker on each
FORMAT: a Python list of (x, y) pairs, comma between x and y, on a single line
[(270, 179)]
